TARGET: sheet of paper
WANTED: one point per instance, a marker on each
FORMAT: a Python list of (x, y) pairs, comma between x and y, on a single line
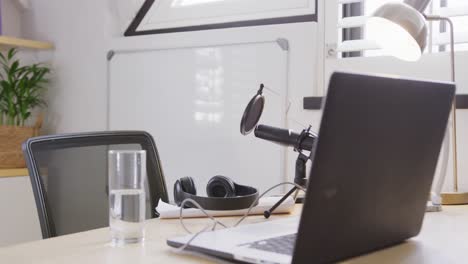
[(167, 211)]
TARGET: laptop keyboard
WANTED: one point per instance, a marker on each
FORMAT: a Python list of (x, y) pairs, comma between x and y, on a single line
[(281, 245)]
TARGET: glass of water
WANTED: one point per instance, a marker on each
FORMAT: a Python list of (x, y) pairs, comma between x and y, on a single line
[(127, 172)]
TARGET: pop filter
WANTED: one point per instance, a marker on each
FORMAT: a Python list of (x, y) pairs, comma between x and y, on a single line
[(252, 112)]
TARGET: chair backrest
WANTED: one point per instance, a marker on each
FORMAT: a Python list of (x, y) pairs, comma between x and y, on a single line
[(69, 178)]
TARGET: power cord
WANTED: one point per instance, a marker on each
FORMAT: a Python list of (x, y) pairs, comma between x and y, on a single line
[(217, 222)]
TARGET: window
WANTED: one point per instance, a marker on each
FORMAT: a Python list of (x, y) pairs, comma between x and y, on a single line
[(458, 11), (166, 16), (352, 15)]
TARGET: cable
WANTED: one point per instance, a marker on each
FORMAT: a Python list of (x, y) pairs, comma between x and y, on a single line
[(263, 194), (216, 222), (288, 107), (184, 246), (181, 218)]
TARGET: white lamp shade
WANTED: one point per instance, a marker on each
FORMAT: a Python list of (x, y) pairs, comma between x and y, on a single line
[(400, 31)]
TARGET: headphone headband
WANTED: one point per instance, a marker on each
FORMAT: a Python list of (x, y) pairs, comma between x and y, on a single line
[(245, 196), (222, 203)]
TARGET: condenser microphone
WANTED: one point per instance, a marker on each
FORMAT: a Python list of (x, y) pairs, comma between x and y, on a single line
[(286, 137)]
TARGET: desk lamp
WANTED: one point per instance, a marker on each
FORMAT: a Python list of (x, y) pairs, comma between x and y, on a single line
[(405, 37)]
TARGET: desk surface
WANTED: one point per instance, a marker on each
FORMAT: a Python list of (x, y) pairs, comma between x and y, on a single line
[(444, 239)]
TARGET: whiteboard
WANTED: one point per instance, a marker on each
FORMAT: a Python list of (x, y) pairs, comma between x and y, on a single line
[(191, 100)]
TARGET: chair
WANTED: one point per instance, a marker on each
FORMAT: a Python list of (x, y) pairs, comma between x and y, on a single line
[(69, 178)]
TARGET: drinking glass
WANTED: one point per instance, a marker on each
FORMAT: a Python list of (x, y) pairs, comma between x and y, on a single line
[(127, 172)]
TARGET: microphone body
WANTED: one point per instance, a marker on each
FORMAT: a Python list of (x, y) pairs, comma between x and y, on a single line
[(284, 137)]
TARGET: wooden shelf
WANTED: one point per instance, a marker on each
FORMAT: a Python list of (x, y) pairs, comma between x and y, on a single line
[(13, 172), (10, 42)]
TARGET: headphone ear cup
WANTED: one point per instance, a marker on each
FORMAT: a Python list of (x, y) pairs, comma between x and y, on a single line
[(188, 185), (220, 186), (178, 193), (182, 185)]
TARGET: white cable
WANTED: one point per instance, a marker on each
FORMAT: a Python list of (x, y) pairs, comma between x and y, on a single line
[(288, 107), (271, 90), (181, 218), (183, 247), (215, 222)]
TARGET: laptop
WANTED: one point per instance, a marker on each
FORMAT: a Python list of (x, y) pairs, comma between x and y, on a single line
[(373, 166)]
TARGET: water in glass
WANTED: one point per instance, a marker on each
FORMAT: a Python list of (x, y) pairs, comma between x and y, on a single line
[(127, 215)]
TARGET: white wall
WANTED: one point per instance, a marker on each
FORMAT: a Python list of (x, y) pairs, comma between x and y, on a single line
[(77, 97), (11, 18), (81, 32)]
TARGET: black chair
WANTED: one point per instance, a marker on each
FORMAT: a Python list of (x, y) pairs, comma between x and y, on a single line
[(69, 178)]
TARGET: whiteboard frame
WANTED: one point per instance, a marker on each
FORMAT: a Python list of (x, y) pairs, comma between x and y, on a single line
[(132, 29)]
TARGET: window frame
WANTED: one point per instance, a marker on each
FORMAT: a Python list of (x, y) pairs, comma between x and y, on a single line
[(132, 29)]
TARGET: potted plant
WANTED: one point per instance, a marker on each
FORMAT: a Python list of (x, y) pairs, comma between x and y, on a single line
[(21, 90)]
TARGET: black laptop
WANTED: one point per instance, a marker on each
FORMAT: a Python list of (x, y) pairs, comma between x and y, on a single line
[(375, 158)]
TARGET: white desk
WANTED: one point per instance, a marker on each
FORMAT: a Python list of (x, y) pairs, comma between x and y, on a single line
[(444, 239)]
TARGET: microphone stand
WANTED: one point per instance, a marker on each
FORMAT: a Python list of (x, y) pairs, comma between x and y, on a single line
[(300, 177)]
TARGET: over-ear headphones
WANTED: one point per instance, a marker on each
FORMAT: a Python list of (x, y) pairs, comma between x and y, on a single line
[(223, 194)]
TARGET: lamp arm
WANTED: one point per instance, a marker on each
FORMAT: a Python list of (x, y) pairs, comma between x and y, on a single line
[(452, 39), (454, 113)]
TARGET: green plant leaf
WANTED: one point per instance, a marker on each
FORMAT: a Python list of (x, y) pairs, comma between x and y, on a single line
[(2, 57), (11, 53), (21, 88)]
